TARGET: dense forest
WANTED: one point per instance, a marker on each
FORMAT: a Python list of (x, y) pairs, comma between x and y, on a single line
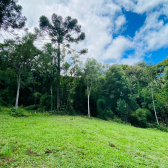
[(54, 79)]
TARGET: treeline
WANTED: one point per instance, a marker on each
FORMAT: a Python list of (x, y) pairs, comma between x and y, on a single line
[(54, 79), (135, 94)]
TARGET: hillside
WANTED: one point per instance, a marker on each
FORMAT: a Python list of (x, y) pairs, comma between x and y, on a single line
[(75, 141)]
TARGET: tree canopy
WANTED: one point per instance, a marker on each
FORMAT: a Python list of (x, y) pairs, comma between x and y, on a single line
[(62, 33), (10, 15)]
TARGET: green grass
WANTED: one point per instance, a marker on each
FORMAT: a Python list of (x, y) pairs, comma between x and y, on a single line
[(78, 142)]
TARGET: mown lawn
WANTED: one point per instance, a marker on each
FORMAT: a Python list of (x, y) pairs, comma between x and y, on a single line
[(74, 141)]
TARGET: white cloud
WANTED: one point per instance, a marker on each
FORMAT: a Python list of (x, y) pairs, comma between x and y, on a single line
[(145, 6), (131, 60), (119, 22), (128, 5), (152, 35), (92, 15), (100, 19), (157, 39), (141, 6), (117, 48)]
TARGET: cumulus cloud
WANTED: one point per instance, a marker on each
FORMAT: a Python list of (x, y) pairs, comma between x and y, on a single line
[(95, 17), (101, 19), (117, 48), (131, 60), (145, 6), (152, 35), (119, 22)]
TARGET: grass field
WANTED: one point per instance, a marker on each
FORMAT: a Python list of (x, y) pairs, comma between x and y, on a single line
[(74, 141)]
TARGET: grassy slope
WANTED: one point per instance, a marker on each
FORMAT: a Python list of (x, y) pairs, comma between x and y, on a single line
[(79, 142)]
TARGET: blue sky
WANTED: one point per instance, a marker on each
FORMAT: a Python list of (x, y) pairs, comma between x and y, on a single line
[(117, 31), (134, 23)]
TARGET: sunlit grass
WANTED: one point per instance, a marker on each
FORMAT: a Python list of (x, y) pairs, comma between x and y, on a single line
[(74, 141)]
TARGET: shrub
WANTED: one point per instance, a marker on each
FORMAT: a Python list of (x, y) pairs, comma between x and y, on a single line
[(45, 103), (118, 120), (101, 104), (122, 109), (109, 114), (19, 112), (133, 103), (31, 107), (0, 108), (72, 112), (161, 127), (133, 119), (143, 115)]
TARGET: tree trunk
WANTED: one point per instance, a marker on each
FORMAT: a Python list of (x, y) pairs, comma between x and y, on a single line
[(88, 108), (18, 89), (51, 98), (88, 91), (154, 106), (58, 80)]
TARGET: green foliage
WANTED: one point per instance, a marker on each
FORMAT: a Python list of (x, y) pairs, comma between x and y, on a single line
[(71, 112), (133, 103), (118, 120), (116, 86), (1, 108), (122, 109), (6, 151), (143, 116), (19, 112), (44, 103), (109, 114), (101, 105), (92, 69), (10, 15), (59, 29), (32, 107), (121, 90), (161, 127), (104, 113)]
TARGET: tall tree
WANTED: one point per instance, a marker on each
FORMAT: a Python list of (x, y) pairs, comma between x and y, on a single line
[(92, 69), (117, 86), (10, 15), (48, 67), (19, 56), (61, 34), (151, 72), (72, 72)]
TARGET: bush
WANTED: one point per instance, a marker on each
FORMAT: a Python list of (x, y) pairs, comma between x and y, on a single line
[(133, 119), (118, 120), (32, 107), (109, 114), (143, 116), (0, 108), (45, 103), (122, 109), (161, 127), (101, 104), (72, 112), (19, 112)]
